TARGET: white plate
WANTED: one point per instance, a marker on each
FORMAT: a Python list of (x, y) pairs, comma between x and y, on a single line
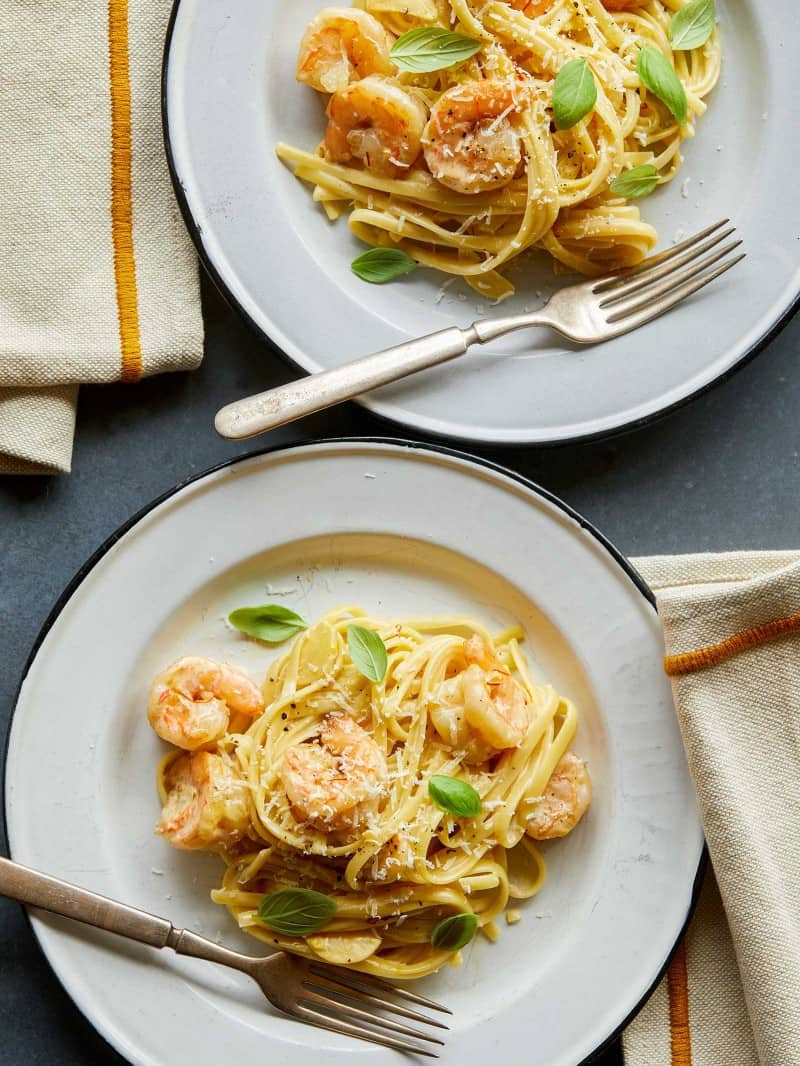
[(230, 95), (398, 529)]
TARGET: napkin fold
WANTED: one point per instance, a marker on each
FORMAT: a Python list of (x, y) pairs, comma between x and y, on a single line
[(99, 279), (732, 635)]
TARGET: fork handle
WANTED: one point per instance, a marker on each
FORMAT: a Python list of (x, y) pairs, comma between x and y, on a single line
[(60, 897), (51, 894), (274, 408)]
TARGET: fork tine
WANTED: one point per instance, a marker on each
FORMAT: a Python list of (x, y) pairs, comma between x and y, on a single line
[(651, 311), (342, 989), (324, 1021), (669, 266), (645, 297), (367, 982), (609, 281), (349, 1010)]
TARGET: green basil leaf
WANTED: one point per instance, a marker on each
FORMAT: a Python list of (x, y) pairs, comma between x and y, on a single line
[(455, 796), (455, 932), (379, 265), (658, 75), (271, 623), (692, 25), (574, 93), (636, 182), (428, 48), (368, 652), (296, 911)]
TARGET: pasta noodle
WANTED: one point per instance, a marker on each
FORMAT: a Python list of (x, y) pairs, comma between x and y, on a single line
[(560, 198), (393, 861)]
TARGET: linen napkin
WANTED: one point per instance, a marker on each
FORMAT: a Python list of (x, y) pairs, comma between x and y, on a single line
[(732, 634), (99, 280)]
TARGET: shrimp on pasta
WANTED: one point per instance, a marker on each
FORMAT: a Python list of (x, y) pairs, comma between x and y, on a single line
[(453, 155), (376, 123), (404, 770), (191, 702), (343, 45)]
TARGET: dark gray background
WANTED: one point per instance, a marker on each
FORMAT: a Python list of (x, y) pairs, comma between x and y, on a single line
[(719, 474)]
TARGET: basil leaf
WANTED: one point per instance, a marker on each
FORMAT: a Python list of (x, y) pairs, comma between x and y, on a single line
[(636, 182), (692, 25), (658, 75), (368, 652), (379, 265), (455, 796), (296, 911), (574, 93), (271, 623), (428, 48), (455, 932)]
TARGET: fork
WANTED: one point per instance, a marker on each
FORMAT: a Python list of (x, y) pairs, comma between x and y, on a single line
[(330, 997), (592, 311)]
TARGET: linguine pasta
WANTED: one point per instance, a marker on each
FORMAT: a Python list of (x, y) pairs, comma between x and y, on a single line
[(560, 199), (399, 864)]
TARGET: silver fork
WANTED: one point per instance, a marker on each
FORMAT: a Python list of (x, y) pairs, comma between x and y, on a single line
[(592, 311), (326, 996)]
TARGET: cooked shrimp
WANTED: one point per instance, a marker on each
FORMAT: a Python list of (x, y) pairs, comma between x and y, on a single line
[(341, 45), (496, 706), (376, 123), (206, 805), (471, 142), (339, 782), (483, 702), (564, 801), (191, 702)]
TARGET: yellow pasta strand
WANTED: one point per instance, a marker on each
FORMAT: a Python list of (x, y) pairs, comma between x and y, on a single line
[(411, 864), (562, 203)]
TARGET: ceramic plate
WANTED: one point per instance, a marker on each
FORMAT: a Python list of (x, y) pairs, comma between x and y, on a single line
[(230, 95), (314, 527)]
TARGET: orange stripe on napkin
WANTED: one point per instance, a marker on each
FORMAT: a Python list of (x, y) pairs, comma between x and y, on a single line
[(690, 661), (678, 987), (121, 191)]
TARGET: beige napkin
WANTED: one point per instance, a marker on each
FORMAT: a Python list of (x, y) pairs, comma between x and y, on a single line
[(732, 633), (99, 280)]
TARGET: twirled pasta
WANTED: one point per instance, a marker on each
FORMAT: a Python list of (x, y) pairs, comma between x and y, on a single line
[(394, 862), (561, 199)]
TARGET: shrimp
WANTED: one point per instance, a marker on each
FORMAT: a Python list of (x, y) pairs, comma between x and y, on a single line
[(191, 702), (339, 782), (206, 805), (564, 802), (376, 123), (340, 46), (471, 142), (495, 705), (483, 702)]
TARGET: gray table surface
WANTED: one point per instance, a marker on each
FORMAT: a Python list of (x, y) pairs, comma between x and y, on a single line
[(720, 474)]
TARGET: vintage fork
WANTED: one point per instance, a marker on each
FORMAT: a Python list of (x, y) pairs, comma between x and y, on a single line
[(326, 996), (592, 311)]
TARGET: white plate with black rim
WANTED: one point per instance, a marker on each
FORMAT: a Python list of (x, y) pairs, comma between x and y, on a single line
[(230, 96), (400, 529)]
